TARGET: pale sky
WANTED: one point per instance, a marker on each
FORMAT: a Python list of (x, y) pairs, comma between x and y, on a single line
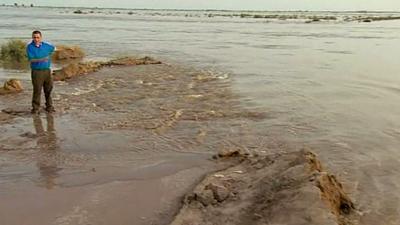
[(387, 5)]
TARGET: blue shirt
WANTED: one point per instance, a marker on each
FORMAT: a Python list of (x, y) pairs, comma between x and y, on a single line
[(42, 51)]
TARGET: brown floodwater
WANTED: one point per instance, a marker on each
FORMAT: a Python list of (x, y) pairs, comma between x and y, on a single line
[(276, 85), (146, 132)]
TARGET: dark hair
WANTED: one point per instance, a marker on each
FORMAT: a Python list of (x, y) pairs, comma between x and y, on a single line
[(36, 32)]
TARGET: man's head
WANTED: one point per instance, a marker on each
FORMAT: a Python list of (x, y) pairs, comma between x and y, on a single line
[(37, 37)]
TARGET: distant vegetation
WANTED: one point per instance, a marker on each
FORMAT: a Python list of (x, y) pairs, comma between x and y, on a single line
[(376, 18), (266, 16)]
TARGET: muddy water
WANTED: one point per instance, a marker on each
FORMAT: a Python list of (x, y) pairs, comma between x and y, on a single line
[(332, 86), (145, 132)]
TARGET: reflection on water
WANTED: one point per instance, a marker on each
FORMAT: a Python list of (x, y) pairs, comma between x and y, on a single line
[(48, 148)]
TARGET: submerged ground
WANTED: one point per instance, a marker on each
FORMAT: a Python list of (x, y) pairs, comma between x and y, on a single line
[(125, 145)]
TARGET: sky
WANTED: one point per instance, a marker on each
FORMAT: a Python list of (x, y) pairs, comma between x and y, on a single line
[(384, 5)]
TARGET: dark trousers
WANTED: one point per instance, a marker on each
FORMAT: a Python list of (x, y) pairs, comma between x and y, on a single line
[(41, 79)]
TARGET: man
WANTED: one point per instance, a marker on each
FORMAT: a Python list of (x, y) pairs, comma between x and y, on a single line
[(39, 54)]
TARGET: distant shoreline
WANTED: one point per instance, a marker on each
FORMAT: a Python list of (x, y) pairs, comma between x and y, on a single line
[(203, 10)]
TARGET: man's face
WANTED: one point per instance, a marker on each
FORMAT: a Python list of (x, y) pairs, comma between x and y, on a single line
[(37, 38)]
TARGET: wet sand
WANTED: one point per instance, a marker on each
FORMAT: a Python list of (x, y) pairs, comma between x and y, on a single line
[(124, 146)]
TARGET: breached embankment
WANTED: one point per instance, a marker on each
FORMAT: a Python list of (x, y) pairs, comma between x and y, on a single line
[(132, 140), (126, 140), (81, 68), (290, 188)]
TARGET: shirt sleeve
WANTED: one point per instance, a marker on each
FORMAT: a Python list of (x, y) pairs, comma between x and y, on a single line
[(28, 53), (51, 48)]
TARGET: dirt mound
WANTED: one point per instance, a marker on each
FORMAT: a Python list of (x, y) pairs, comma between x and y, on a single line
[(11, 86), (64, 52), (82, 68), (127, 61), (289, 189), (75, 69), (331, 189)]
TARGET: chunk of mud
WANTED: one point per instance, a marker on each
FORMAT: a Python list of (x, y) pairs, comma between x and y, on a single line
[(128, 61), (331, 189), (205, 197), (229, 152), (332, 192), (64, 52), (75, 69), (11, 86), (290, 189), (220, 192), (82, 68), (210, 194)]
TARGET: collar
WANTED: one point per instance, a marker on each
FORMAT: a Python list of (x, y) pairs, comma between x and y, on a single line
[(40, 44)]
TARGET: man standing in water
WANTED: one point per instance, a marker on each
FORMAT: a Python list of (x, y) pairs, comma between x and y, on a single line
[(39, 54)]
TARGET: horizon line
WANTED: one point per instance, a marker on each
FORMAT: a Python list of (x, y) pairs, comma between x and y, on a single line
[(187, 9)]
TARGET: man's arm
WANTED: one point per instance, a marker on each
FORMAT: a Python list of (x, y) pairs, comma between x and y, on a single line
[(39, 60), (51, 48), (32, 59)]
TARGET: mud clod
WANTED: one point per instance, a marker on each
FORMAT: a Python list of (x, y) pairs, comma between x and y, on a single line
[(220, 192), (332, 192), (206, 197), (78, 69), (64, 52), (11, 86)]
